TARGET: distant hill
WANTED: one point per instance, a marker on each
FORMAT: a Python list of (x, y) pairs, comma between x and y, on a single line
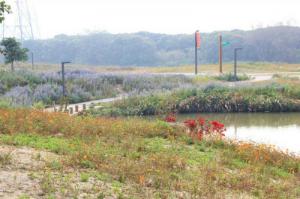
[(273, 44)]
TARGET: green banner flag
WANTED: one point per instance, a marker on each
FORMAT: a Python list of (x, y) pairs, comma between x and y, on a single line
[(226, 43)]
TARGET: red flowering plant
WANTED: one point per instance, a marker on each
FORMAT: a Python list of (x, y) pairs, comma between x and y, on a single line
[(218, 127), (201, 127), (191, 124), (171, 118)]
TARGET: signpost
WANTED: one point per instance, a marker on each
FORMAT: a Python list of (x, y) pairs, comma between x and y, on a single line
[(235, 62), (225, 43), (221, 45), (197, 45)]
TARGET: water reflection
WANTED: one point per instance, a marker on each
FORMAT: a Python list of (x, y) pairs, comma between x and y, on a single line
[(286, 137), (251, 119), (279, 129)]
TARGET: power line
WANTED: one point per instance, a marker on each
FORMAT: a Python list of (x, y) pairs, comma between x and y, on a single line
[(24, 23), (21, 24)]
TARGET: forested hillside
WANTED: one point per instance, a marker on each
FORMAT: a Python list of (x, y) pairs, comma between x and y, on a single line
[(273, 44)]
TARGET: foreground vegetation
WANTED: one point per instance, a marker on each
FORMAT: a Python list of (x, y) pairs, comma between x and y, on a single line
[(150, 159)]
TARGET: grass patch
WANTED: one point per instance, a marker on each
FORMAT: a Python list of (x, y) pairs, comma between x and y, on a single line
[(84, 177), (56, 145)]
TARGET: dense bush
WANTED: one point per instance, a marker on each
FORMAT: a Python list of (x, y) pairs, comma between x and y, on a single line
[(9, 80), (210, 99)]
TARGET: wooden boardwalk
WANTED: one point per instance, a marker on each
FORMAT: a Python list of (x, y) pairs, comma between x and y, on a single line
[(74, 109)]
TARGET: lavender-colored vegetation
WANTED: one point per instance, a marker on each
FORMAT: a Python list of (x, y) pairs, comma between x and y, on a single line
[(24, 88)]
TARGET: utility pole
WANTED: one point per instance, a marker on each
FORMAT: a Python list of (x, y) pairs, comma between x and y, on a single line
[(197, 45), (221, 53), (63, 77), (235, 62), (32, 60)]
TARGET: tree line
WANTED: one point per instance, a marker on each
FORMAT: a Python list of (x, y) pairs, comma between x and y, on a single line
[(273, 44)]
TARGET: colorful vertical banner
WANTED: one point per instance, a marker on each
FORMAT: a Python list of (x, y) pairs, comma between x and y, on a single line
[(198, 39)]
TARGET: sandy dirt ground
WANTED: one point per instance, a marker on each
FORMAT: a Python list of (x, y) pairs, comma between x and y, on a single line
[(27, 173)]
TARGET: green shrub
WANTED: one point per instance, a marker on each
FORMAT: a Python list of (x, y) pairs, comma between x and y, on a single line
[(211, 99), (231, 78), (4, 104), (39, 105)]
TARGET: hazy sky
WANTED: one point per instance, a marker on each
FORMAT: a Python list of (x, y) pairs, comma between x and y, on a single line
[(164, 16)]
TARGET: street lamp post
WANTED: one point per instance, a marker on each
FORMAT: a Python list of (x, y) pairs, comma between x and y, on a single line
[(221, 53), (235, 62), (63, 76)]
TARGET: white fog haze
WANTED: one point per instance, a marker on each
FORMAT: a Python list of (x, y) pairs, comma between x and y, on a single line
[(53, 17)]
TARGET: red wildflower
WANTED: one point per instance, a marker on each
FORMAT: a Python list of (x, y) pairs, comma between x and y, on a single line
[(191, 124), (200, 128), (201, 121), (170, 118), (200, 135), (217, 125)]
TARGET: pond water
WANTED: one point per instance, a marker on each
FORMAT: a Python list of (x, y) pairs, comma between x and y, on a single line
[(279, 129)]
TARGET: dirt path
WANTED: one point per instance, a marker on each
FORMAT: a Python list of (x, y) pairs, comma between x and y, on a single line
[(17, 166), (29, 173)]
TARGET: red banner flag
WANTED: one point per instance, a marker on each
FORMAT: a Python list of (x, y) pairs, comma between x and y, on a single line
[(198, 39)]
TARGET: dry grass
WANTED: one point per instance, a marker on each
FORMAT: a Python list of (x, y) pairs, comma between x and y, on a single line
[(243, 67), (5, 159)]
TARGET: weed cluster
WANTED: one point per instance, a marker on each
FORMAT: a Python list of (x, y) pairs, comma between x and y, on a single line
[(231, 78)]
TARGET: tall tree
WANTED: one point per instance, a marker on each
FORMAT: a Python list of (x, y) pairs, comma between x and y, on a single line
[(4, 8), (13, 51)]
